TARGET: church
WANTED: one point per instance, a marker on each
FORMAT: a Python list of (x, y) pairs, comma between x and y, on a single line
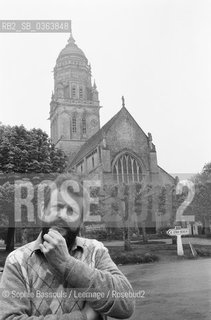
[(119, 152)]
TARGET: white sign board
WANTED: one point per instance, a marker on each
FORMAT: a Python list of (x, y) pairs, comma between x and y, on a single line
[(177, 232), (188, 218)]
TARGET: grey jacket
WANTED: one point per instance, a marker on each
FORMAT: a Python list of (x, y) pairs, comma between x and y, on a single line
[(30, 289)]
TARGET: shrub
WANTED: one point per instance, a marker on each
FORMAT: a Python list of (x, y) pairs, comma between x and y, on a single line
[(131, 258), (3, 233), (203, 253), (161, 232)]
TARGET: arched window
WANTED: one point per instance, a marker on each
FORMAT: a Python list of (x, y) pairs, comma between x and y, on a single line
[(84, 126), (74, 128), (127, 169), (73, 92), (80, 93)]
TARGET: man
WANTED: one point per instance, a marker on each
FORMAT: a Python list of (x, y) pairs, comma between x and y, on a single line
[(61, 275)]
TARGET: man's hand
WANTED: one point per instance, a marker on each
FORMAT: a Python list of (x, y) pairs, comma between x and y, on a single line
[(90, 313), (55, 250)]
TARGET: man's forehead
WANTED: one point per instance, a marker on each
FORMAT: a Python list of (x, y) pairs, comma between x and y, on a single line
[(59, 195)]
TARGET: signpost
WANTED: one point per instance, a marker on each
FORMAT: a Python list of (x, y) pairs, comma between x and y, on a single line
[(178, 232)]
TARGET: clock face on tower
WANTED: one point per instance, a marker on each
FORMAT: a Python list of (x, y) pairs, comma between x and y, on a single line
[(94, 122)]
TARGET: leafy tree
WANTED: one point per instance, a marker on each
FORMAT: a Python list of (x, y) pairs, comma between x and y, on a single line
[(122, 201), (139, 193), (28, 151), (204, 176), (24, 151), (110, 208), (7, 213), (201, 204), (162, 201)]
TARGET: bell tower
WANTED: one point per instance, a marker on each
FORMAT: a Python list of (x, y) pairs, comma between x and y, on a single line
[(74, 106)]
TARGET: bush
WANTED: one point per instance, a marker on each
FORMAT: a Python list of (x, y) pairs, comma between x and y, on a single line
[(208, 235), (100, 235), (161, 232), (3, 233), (131, 258), (203, 253), (114, 233)]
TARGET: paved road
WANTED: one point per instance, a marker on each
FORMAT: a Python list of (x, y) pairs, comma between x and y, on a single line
[(174, 291), (171, 291)]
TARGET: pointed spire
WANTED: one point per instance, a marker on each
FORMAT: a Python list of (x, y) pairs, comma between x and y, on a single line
[(71, 39), (94, 85), (123, 101)]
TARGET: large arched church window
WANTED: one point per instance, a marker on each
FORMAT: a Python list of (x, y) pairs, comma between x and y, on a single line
[(127, 169)]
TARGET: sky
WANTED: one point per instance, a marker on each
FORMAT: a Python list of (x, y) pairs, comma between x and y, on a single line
[(157, 53)]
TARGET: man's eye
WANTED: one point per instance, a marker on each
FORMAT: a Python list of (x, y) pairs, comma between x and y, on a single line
[(69, 210), (60, 206)]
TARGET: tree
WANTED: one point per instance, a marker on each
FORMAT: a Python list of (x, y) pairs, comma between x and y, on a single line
[(126, 198), (139, 192), (28, 151), (115, 209), (111, 210), (204, 176), (201, 205), (121, 202), (24, 151), (7, 213)]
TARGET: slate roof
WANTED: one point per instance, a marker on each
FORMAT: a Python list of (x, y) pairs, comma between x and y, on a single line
[(173, 179), (94, 140)]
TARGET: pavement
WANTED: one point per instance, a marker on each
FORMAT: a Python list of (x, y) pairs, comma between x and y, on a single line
[(171, 291)]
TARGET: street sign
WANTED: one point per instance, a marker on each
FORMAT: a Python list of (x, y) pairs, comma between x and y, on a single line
[(177, 232)]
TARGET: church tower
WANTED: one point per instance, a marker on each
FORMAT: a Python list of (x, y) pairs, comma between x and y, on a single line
[(74, 107)]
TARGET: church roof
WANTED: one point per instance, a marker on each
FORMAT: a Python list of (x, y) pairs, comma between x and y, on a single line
[(166, 174), (94, 140), (72, 49)]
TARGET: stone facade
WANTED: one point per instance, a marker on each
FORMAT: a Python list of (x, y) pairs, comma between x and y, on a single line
[(119, 153), (74, 107)]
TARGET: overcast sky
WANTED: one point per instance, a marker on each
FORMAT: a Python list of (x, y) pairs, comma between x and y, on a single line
[(157, 53)]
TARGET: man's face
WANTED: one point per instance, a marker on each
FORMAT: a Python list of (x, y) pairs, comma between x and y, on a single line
[(63, 212)]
